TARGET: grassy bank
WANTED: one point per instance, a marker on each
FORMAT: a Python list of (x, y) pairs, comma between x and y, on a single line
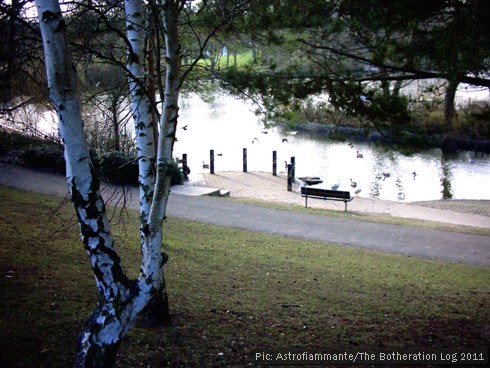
[(231, 291)]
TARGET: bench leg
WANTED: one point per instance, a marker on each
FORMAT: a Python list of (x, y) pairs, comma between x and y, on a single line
[(306, 201), (345, 202)]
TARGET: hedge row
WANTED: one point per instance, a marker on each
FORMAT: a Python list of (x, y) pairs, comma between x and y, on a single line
[(113, 167)]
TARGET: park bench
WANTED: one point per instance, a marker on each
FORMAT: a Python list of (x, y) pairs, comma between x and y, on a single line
[(326, 194)]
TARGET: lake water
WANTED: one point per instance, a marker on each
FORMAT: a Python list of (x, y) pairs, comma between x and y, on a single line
[(228, 125)]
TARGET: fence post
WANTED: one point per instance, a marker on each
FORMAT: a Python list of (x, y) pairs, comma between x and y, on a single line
[(290, 176), (185, 168), (244, 160), (274, 163), (293, 169), (211, 161)]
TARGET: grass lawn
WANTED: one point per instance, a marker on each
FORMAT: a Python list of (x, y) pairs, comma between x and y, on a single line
[(231, 292)]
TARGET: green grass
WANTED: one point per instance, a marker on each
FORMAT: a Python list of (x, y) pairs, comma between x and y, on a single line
[(226, 287)]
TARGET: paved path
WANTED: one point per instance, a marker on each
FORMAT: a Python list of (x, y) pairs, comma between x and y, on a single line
[(423, 242), (264, 186)]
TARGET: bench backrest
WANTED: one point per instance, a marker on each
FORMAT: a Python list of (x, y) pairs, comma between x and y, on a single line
[(325, 193)]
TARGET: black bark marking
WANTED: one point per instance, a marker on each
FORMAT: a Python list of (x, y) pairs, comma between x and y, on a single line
[(49, 16), (146, 230)]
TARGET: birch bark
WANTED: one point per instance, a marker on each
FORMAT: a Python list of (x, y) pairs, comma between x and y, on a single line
[(156, 312), (120, 300), (140, 104), (170, 113)]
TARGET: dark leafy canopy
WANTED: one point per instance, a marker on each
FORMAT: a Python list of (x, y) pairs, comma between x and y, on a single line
[(339, 46), (20, 53), (448, 38)]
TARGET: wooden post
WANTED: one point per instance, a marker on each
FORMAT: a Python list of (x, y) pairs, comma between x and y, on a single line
[(290, 176), (274, 163), (211, 161), (185, 168), (293, 169), (244, 160)]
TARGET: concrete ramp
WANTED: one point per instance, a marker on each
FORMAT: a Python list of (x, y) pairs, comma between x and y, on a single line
[(190, 190)]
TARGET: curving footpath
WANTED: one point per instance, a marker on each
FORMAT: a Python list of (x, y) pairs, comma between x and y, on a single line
[(446, 246)]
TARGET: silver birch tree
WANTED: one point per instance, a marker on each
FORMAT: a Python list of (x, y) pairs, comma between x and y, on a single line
[(143, 116), (120, 299)]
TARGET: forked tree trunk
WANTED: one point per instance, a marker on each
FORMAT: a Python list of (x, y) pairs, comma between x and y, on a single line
[(120, 299), (157, 311)]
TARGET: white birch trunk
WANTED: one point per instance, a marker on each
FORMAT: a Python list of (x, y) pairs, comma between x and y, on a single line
[(142, 112), (120, 300), (156, 312), (169, 117)]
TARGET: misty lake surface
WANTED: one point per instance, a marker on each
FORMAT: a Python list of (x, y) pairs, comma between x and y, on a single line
[(228, 125)]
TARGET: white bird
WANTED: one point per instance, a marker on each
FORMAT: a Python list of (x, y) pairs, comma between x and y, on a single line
[(359, 155), (353, 184), (205, 166), (358, 190)]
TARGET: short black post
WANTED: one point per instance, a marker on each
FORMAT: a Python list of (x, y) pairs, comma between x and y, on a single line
[(211, 161), (274, 163), (244, 160), (293, 171), (185, 168), (290, 178)]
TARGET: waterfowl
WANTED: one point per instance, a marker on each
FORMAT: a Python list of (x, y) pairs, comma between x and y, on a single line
[(205, 166), (353, 184), (359, 155)]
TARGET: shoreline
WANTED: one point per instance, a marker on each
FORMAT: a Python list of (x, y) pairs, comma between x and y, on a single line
[(447, 143), (265, 187)]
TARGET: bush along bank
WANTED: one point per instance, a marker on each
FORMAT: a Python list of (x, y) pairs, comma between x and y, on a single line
[(416, 140), (113, 167)]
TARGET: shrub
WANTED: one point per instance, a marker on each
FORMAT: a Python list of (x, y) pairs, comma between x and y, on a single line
[(475, 121), (46, 157), (10, 141), (118, 168)]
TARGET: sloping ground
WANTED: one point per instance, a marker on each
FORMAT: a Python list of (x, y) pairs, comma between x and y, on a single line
[(477, 207)]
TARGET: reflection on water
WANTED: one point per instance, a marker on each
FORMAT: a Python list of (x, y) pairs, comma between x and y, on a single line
[(228, 125), (446, 178)]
